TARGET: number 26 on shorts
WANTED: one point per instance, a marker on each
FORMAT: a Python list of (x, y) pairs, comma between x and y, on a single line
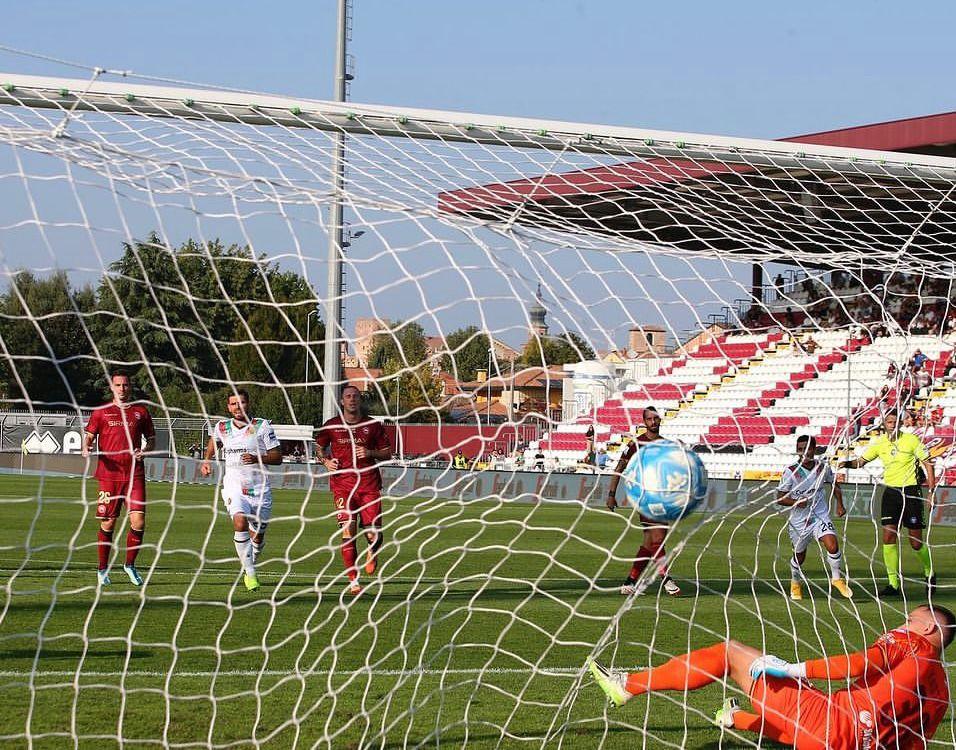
[(103, 504)]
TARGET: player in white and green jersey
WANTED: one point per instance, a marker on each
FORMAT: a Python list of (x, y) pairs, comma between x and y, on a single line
[(803, 489), (249, 444)]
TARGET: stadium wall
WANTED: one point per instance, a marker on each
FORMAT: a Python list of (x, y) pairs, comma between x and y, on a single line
[(520, 486)]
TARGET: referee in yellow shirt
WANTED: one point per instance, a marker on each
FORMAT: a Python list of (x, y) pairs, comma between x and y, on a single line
[(902, 502)]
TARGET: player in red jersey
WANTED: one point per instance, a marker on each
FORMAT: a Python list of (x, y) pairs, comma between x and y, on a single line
[(351, 445), (652, 547), (124, 434), (898, 699)]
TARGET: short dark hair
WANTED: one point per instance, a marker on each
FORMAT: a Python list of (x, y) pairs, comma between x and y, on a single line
[(119, 372), (949, 625), (346, 386), (807, 439), (241, 393), (650, 408)]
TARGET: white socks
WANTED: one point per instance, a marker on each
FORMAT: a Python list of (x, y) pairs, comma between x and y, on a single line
[(796, 574), (836, 562), (245, 552)]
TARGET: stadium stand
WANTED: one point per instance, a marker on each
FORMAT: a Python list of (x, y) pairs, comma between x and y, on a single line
[(743, 399)]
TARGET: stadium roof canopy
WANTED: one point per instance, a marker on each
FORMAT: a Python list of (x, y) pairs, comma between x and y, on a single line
[(671, 200)]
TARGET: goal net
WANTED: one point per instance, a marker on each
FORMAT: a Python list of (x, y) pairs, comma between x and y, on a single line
[(514, 294)]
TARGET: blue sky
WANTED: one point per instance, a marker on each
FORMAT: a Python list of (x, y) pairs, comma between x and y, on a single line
[(738, 68), (744, 68)]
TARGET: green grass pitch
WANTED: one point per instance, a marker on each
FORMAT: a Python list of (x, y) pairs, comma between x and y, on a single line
[(473, 634)]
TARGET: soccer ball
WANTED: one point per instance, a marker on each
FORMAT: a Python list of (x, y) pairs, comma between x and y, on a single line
[(665, 480)]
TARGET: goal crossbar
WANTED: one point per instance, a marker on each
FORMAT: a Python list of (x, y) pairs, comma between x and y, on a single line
[(72, 95)]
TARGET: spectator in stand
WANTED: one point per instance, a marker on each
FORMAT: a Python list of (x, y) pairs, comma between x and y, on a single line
[(790, 318), (601, 459), (539, 461), (923, 381), (884, 393), (810, 345), (891, 371), (951, 324), (918, 359), (950, 374), (906, 388), (778, 284), (297, 455)]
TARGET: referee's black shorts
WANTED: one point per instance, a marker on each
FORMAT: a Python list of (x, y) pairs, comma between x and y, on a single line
[(902, 505)]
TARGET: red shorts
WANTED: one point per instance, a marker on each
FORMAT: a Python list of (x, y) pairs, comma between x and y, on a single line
[(115, 492), (800, 711), (366, 504)]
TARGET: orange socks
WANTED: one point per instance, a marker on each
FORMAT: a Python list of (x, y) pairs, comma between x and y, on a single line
[(687, 672)]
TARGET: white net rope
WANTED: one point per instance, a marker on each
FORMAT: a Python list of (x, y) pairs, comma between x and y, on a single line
[(184, 238)]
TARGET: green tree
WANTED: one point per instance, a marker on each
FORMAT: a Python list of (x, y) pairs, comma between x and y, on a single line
[(408, 385), (555, 350), (46, 356), (201, 318), (468, 352)]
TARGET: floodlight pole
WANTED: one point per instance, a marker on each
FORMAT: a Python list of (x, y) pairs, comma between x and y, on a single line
[(333, 292)]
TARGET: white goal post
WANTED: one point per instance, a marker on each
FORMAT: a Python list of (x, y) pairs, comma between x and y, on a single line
[(507, 273)]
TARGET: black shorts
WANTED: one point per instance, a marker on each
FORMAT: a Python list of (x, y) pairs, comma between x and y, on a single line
[(902, 505)]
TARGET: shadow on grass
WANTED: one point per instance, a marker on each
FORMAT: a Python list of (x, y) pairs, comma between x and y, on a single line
[(48, 654), (598, 736)]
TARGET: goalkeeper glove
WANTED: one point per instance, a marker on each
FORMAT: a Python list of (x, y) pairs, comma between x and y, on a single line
[(774, 666)]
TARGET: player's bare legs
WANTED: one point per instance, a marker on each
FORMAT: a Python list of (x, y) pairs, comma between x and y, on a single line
[(243, 542)]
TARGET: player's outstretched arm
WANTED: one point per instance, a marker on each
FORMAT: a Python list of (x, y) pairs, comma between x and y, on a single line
[(843, 666), (839, 667)]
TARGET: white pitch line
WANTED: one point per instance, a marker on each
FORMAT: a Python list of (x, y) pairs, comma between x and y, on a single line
[(547, 672)]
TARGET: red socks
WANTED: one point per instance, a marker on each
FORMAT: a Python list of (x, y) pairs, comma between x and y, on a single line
[(134, 539), (104, 541), (685, 672), (644, 556), (349, 553)]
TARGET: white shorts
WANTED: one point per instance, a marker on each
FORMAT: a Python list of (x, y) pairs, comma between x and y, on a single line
[(255, 507), (818, 526)]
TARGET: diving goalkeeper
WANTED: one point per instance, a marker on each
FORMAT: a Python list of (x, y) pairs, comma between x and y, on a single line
[(897, 700)]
